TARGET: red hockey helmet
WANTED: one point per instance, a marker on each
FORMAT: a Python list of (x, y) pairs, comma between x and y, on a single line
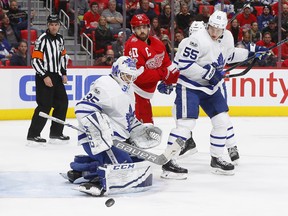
[(139, 19)]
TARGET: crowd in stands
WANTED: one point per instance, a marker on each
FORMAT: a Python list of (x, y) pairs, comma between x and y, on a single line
[(102, 21)]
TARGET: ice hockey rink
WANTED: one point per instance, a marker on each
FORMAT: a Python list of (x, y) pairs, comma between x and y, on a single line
[(30, 183)]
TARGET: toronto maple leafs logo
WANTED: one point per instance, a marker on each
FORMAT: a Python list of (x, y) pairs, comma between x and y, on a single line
[(129, 118), (219, 65)]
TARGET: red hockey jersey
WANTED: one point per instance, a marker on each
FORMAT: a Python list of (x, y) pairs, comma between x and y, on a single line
[(154, 58)]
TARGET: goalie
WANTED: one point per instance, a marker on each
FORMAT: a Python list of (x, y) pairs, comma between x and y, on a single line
[(106, 113)]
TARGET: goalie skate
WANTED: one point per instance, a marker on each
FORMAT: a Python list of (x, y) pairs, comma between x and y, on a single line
[(234, 155), (92, 188), (221, 167), (171, 170)]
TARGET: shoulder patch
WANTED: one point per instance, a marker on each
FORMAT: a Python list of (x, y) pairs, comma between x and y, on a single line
[(193, 44)]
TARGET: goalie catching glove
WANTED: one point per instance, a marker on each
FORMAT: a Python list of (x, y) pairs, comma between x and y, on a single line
[(146, 136)]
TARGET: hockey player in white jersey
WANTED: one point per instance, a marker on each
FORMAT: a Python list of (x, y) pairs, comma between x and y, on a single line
[(201, 64), (106, 113)]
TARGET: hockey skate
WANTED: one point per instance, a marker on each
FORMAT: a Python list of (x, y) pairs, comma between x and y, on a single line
[(189, 148), (92, 187), (171, 170), (62, 139), (234, 155), (221, 167), (36, 141)]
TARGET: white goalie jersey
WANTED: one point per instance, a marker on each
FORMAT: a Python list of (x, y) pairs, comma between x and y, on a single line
[(106, 96), (199, 50)]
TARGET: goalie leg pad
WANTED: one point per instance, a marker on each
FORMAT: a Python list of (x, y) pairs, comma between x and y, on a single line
[(128, 178), (98, 131)]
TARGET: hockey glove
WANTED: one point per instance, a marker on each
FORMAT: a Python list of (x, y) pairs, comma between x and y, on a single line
[(164, 88), (259, 51), (212, 75), (172, 74)]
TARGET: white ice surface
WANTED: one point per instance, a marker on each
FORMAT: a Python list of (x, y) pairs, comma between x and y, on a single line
[(30, 184)]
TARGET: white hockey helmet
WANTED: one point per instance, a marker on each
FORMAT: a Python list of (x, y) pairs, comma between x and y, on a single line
[(195, 26), (125, 72), (218, 19)]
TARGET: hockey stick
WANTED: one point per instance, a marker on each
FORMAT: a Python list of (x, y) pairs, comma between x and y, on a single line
[(253, 62), (133, 150)]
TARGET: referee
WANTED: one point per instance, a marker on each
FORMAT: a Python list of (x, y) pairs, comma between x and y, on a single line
[(49, 59)]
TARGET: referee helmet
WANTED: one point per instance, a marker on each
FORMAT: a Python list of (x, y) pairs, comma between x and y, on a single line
[(53, 18)]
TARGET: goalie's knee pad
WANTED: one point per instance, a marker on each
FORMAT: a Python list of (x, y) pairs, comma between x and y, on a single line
[(83, 163)]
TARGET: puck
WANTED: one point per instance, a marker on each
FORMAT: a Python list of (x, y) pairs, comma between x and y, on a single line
[(109, 202)]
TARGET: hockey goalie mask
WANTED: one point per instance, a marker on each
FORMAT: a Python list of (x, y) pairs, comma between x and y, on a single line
[(125, 72), (217, 24), (195, 26)]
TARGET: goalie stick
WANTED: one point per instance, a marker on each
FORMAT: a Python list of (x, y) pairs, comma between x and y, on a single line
[(133, 150), (252, 63)]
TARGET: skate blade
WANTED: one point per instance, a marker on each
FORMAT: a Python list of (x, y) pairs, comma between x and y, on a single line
[(34, 144), (58, 142), (188, 153), (219, 171), (235, 162), (175, 176)]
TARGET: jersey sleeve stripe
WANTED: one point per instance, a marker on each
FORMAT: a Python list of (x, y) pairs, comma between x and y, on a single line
[(37, 54)]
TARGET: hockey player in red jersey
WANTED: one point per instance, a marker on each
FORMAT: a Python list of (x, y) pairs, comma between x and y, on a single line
[(150, 52)]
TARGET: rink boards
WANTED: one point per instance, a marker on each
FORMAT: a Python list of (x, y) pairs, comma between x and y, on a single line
[(261, 92)]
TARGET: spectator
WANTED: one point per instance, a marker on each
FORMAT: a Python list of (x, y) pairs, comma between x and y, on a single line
[(117, 45), (10, 33), (145, 9), (246, 18), (228, 8), (6, 50), (272, 28), (245, 43), (167, 43), (17, 17), (284, 20), (177, 4), (103, 34), (238, 5), (155, 29), (267, 42), (82, 7), (114, 19), (131, 7), (236, 31), (204, 16), (106, 60), (19, 58), (102, 5), (254, 32), (264, 18), (178, 38), (91, 18), (165, 17), (184, 18)]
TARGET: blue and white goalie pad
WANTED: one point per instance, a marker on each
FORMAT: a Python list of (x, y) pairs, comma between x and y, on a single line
[(98, 131), (127, 178)]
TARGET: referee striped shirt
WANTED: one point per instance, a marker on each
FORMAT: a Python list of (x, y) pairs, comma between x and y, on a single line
[(49, 55)]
